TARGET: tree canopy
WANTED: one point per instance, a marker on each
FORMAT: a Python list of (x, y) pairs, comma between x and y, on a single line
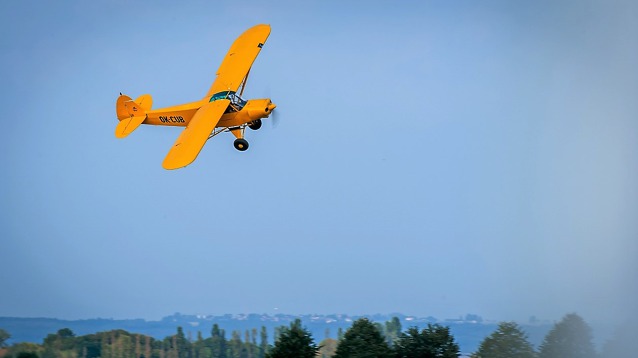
[(294, 341), (569, 338), (363, 340), (508, 341), (435, 341), (120, 343)]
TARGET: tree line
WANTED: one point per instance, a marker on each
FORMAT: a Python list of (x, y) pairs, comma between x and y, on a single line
[(570, 337)]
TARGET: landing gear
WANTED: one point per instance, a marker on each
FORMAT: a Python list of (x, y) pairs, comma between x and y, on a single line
[(240, 144), (255, 125)]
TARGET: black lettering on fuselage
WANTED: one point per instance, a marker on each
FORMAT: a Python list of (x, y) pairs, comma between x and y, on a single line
[(171, 119)]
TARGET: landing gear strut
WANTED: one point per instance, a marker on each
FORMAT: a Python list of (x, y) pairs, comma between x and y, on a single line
[(255, 124), (240, 144)]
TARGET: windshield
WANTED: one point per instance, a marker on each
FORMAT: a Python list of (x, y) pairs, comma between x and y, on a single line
[(220, 95), (236, 102)]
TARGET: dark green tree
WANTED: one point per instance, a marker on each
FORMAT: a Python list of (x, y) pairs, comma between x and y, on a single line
[(181, 345), (66, 332), (434, 341), (294, 341), (363, 340), (508, 341), (218, 344), (4, 337), (569, 338)]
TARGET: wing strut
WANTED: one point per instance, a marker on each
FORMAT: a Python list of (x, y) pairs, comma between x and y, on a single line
[(243, 84)]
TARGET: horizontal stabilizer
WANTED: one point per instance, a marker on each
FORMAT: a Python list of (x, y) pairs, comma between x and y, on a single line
[(145, 101), (128, 125)]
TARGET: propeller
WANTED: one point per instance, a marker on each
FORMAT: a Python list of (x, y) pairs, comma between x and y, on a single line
[(274, 118)]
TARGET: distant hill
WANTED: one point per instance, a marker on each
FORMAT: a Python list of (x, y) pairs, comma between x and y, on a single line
[(468, 332)]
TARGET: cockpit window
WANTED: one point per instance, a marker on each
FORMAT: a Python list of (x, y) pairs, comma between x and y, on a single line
[(236, 102), (220, 95)]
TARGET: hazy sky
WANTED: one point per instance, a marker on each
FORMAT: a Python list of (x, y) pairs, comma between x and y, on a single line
[(432, 158)]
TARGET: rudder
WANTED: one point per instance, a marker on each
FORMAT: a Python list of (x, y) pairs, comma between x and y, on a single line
[(131, 113), (125, 107)]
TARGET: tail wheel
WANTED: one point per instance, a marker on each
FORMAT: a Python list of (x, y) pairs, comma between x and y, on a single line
[(241, 144), (255, 124)]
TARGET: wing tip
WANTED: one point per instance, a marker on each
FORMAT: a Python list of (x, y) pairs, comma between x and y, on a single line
[(170, 168), (172, 162)]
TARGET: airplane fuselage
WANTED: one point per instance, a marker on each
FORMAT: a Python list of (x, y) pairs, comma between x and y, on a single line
[(180, 115)]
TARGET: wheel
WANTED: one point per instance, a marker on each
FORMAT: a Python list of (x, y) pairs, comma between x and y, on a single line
[(255, 125), (241, 144)]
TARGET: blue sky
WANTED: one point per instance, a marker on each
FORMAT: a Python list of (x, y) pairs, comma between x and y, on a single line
[(432, 158)]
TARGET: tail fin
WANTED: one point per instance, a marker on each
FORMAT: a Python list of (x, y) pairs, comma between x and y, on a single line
[(131, 113)]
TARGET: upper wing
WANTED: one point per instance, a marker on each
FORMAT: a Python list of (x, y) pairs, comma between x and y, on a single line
[(193, 138), (239, 59)]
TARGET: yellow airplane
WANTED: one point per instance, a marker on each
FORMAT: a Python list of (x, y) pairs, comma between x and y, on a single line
[(221, 110)]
